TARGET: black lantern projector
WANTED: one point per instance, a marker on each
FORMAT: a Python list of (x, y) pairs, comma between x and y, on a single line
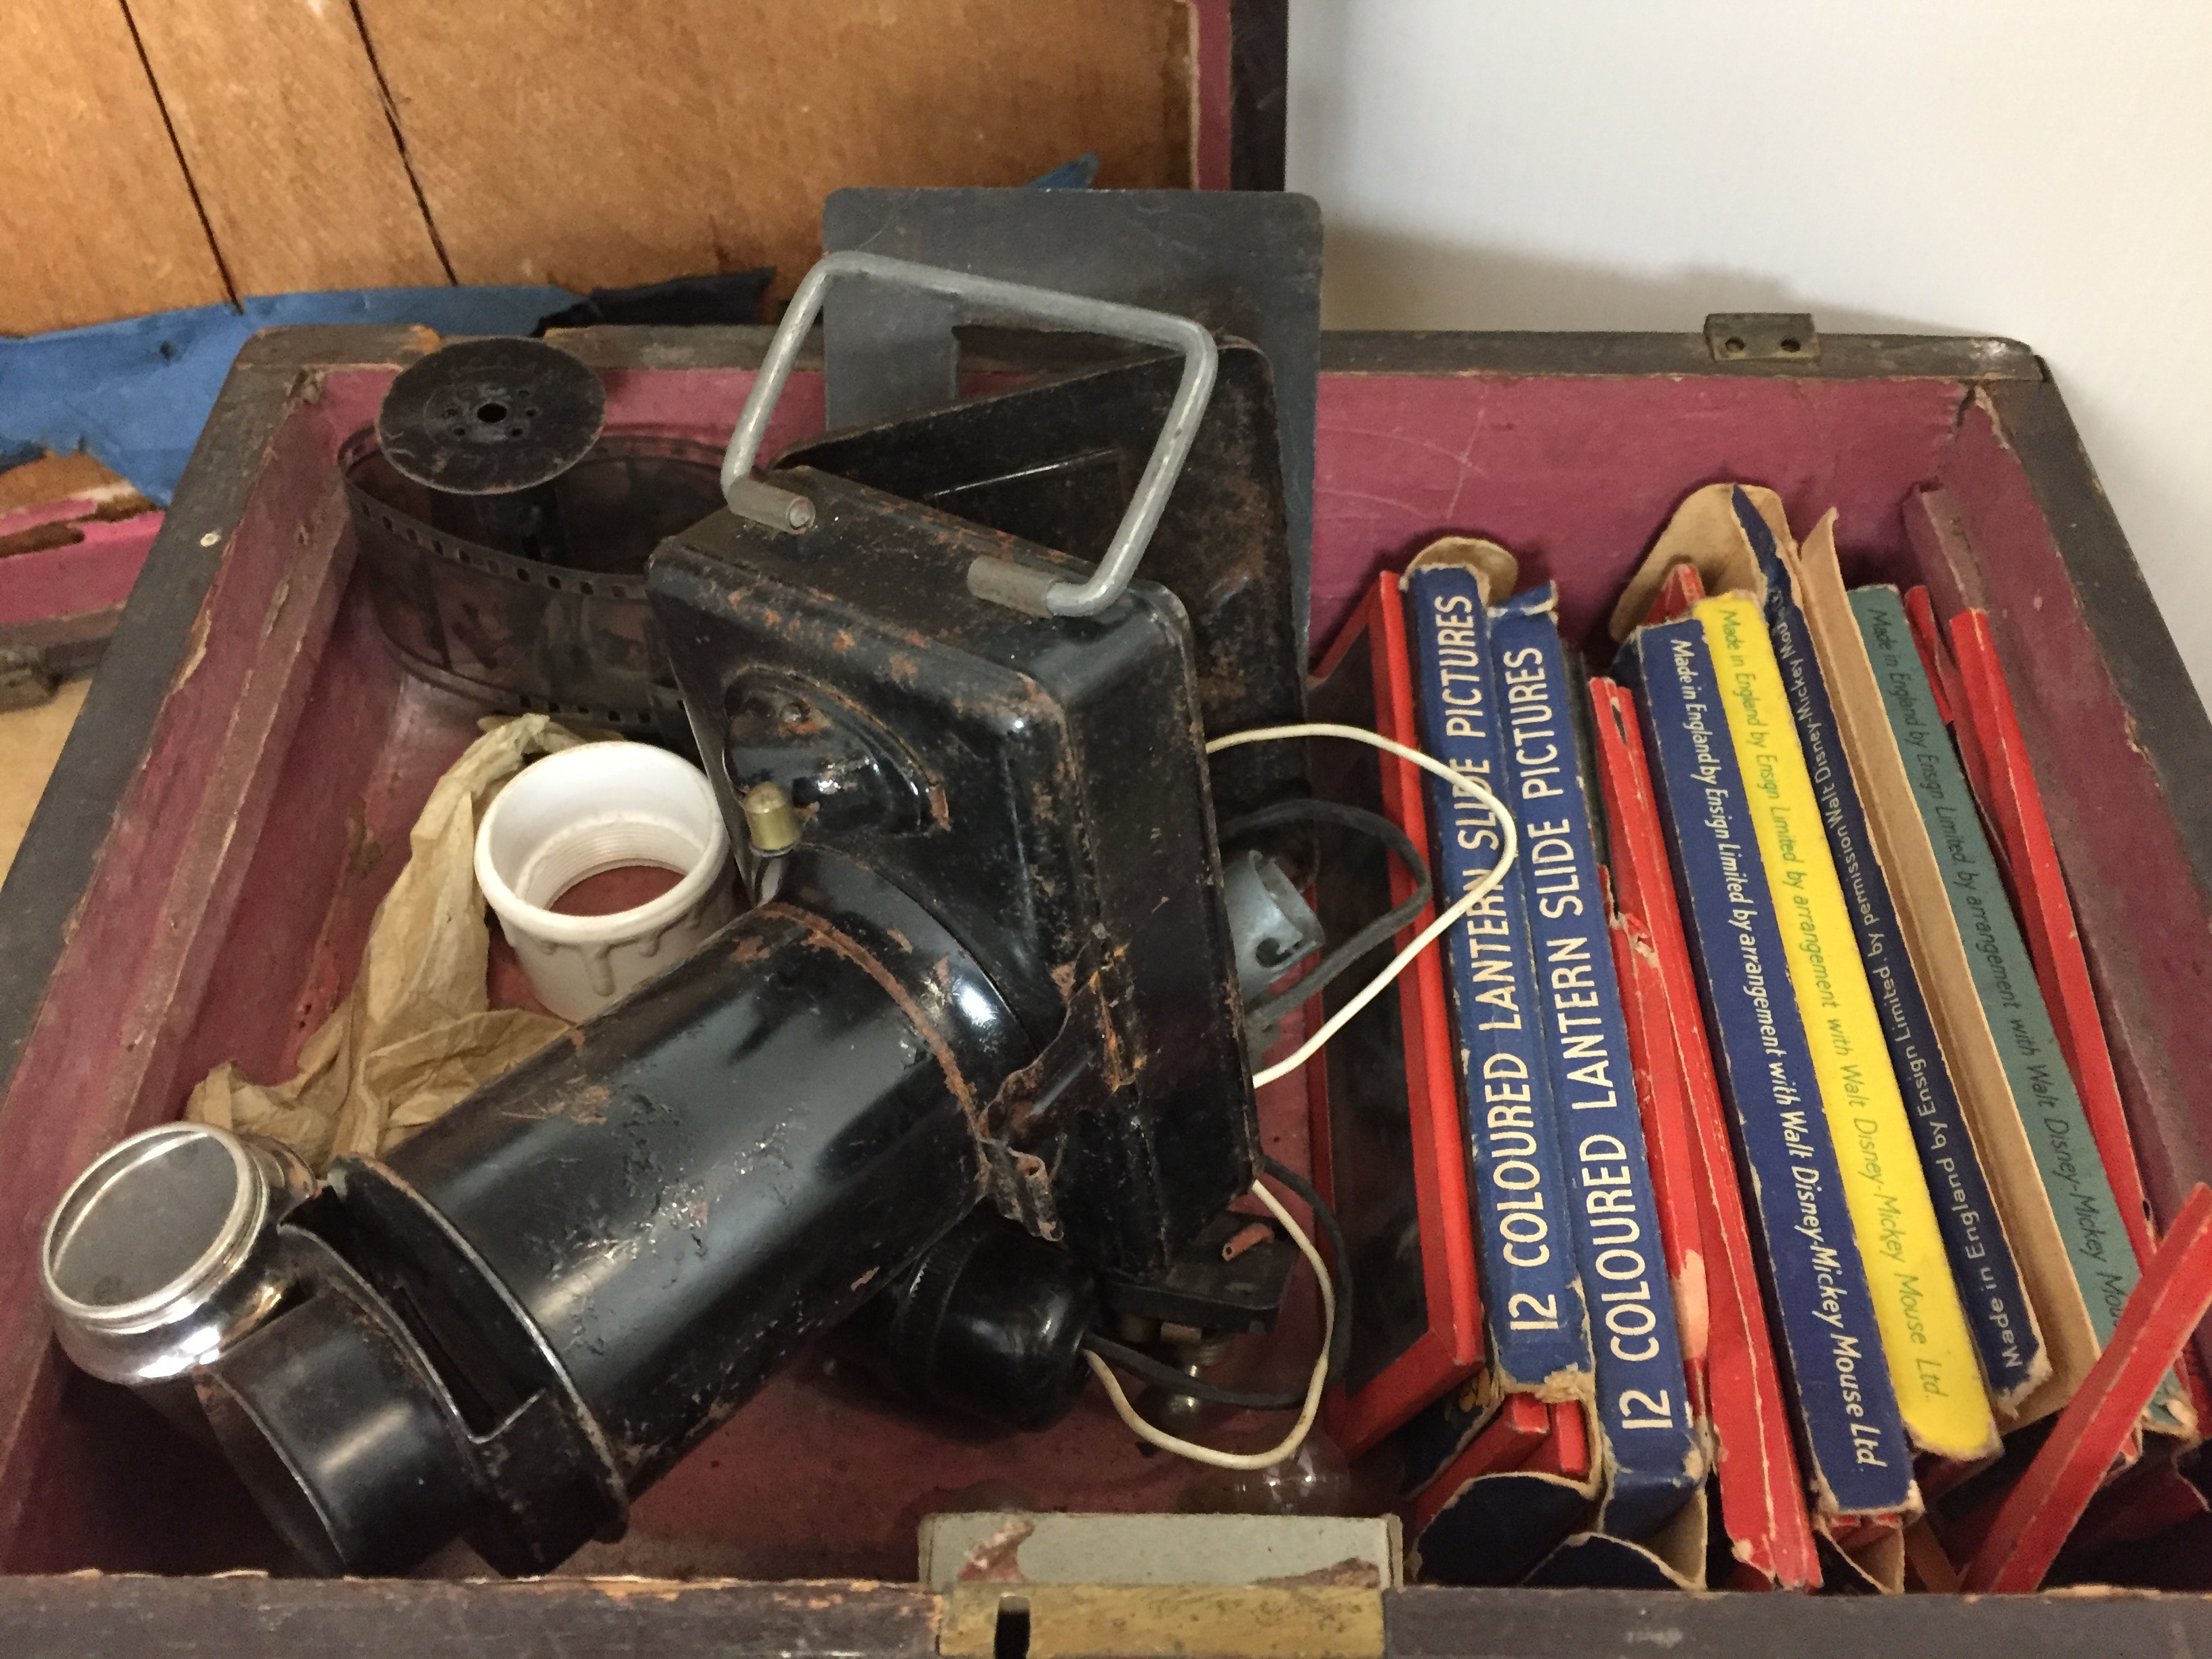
[(989, 967)]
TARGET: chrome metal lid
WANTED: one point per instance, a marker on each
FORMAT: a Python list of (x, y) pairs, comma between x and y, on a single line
[(157, 1251)]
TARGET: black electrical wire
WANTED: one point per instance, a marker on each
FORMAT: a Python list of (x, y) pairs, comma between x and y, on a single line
[(1270, 1010), (1339, 1344), (1384, 927), (1162, 1375)]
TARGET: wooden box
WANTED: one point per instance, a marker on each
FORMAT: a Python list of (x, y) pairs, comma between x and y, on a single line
[(236, 798)]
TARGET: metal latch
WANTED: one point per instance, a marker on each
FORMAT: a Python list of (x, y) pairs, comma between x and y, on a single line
[(1193, 1621), (1026, 1586), (1755, 336)]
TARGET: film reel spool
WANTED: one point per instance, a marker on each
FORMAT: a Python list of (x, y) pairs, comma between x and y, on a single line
[(490, 416), (504, 535)]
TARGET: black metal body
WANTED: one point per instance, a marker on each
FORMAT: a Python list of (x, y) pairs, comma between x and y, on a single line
[(1040, 783), (337, 1423), (999, 961), (709, 1172), (1056, 462), (989, 1322)]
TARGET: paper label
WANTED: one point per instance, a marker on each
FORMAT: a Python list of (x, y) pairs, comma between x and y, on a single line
[(1857, 1459), (2043, 1089), (1642, 1404), (1532, 1297), (1982, 1265)]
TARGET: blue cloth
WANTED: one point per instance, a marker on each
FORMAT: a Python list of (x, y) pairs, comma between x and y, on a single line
[(136, 392), (1079, 175)]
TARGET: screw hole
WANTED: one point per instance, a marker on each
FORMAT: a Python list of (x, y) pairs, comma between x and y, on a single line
[(492, 413), (1790, 345), (1733, 346)]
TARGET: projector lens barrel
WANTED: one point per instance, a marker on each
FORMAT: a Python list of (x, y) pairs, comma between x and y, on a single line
[(588, 1265)]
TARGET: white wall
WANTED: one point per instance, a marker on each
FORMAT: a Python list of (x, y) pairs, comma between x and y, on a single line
[(2032, 168)]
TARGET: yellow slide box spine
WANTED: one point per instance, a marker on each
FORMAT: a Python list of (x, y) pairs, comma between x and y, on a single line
[(1923, 1329)]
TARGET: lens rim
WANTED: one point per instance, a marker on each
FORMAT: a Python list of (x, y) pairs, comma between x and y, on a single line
[(104, 1180)]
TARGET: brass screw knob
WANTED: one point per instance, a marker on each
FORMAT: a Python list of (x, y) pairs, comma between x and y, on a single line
[(771, 821)]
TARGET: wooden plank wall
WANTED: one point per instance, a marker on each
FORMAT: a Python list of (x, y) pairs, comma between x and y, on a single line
[(100, 219), (166, 153)]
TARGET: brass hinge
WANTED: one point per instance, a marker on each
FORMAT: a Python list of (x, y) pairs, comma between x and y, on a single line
[(1762, 336), (1190, 1621)]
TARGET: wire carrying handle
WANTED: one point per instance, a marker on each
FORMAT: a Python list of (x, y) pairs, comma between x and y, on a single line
[(984, 299)]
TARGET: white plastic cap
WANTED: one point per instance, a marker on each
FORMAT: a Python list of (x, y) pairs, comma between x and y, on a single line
[(577, 814)]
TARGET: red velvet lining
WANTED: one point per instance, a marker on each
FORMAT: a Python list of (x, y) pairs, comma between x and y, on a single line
[(232, 900)]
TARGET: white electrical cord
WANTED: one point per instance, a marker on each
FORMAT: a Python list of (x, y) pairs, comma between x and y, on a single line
[(1484, 885), (1296, 1437)]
